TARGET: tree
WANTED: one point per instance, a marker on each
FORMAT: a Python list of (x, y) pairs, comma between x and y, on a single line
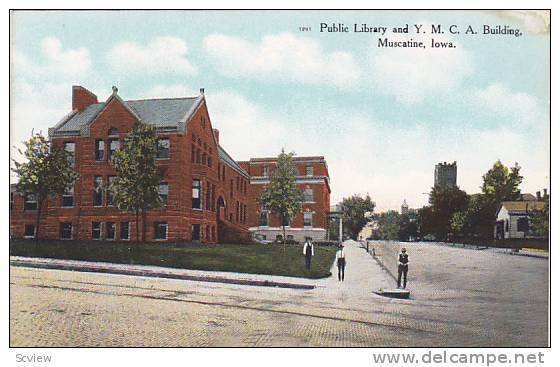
[(501, 183), (48, 171), (388, 225), (354, 209), (135, 189), (282, 196), (540, 220), (445, 202)]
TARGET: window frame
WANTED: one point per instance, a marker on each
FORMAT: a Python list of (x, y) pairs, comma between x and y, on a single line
[(308, 215), (93, 229), (25, 226), (121, 227), (197, 187), (160, 149), (97, 190), (61, 231), (68, 194), (108, 226), (99, 143), (26, 201), (156, 231)]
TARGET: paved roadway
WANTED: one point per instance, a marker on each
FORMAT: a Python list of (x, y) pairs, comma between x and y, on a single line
[(461, 298)]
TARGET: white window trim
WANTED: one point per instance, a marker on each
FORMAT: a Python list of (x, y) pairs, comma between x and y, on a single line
[(166, 233), (114, 232), (34, 231), (124, 239), (100, 232)]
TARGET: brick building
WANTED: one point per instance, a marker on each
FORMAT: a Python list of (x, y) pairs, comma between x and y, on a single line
[(209, 196), (312, 179)]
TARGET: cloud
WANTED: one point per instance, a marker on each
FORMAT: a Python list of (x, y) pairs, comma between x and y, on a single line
[(160, 55), (53, 61), (503, 103), (534, 21), (413, 74), (282, 57), (168, 91)]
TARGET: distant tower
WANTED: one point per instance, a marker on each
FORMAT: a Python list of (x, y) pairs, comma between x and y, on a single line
[(445, 174), (404, 208)]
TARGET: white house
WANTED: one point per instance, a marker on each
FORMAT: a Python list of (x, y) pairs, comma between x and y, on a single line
[(514, 218)]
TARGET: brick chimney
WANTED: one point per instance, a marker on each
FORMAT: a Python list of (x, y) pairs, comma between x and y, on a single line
[(82, 98), (539, 195), (217, 135), (545, 192)]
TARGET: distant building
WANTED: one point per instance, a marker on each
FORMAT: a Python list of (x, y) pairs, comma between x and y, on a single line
[(404, 208), (445, 174), (514, 218)]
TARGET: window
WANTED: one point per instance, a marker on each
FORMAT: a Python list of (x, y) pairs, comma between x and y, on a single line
[(237, 183), (70, 147), (125, 230), (68, 198), (192, 153), (219, 172), (66, 231), (223, 173), (97, 191), (308, 195), (110, 199), (237, 211), (114, 144), (198, 156), (209, 161), (265, 171), (99, 150), (163, 149), (213, 197), (160, 230), (196, 192), (207, 196), (163, 191), (113, 132), (286, 220), (29, 231), (309, 170), (196, 232), (110, 231), (231, 188), (96, 230), (308, 219), (30, 201)]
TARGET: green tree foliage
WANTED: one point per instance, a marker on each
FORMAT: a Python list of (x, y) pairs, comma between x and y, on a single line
[(282, 196), (135, 190), (46, 172), (388, 225), (501, 183), (354, 209), (540, 220), (408, 227), (445, 201)]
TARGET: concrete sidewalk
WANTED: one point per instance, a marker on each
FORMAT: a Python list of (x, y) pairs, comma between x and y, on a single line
[(363, 274), (162, 272)]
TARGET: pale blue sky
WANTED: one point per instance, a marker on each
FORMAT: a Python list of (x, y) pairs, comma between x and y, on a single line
[(382, 117)]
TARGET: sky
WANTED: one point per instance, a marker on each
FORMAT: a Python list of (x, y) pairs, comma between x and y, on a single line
[(382, 117)]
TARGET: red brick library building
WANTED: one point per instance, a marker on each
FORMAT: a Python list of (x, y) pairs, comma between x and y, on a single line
[(208, 196)]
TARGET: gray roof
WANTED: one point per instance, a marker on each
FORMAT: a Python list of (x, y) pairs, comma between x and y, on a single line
[(226, 158), (163, 113)]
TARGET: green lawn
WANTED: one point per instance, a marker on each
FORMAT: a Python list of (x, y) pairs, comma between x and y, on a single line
[(254, 259)]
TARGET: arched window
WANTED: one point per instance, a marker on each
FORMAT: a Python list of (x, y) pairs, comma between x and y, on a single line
[(113, 131)]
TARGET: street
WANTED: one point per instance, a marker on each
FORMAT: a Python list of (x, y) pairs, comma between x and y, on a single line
[(461, 297)]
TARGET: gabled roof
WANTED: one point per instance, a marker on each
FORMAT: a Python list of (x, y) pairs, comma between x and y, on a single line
[(226, 158), (523, 206), (169, 113)]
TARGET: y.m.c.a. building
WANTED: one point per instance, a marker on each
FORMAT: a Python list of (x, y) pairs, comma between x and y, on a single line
[(208, 196)]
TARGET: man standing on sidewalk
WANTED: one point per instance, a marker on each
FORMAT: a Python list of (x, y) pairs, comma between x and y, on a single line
[(403, 268), (308, 252), (340, 262)]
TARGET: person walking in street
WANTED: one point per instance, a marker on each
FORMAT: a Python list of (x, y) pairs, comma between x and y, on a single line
[(308, 251), (340, 262), (403, 268)]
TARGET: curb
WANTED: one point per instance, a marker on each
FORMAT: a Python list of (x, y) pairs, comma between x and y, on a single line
[(157, 274)]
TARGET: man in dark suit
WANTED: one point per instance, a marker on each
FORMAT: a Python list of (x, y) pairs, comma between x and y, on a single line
[(403, 268)]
